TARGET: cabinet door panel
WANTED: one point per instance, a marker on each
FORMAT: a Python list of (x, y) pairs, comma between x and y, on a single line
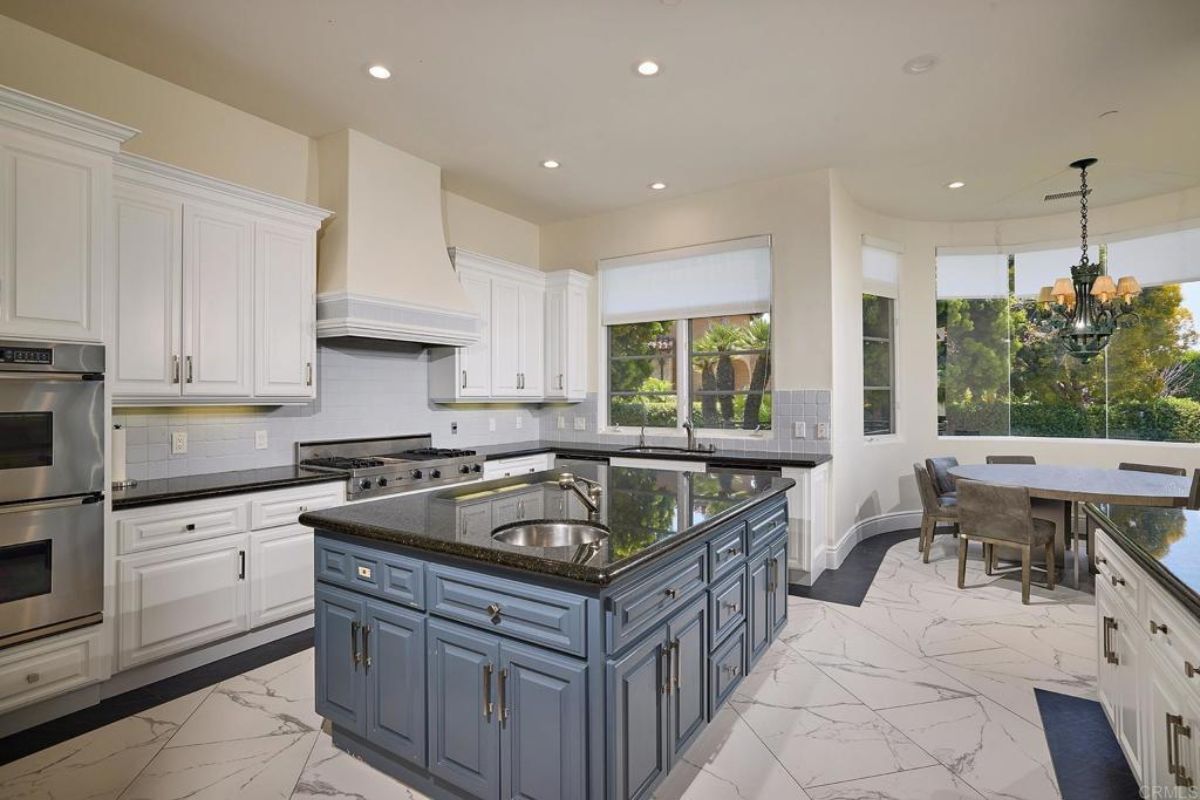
[(531, 338), (637, 719), (475, 361), (576, 344), (341, 682), (218, 290), (543, 725), (556, 342), (176, 598), (149, 294), (758, 614), (779, 586), (688, 634), (285, 274), (281, 570), (505, 338), (464, 744), (395, 668)]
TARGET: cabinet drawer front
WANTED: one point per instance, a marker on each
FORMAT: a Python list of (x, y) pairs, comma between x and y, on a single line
[(651, 600), (726, 670), (46, 669), (523, 611), (1119, 572), (284, 508), (523, 465), (178, 524), (727, 550), (727, 607), (766, 525), (1175, 635), (387, 575)]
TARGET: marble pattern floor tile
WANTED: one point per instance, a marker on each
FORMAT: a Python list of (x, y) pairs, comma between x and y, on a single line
[(920, 632), (995, 751), (927, 783), (332, 774), (1066, 641)]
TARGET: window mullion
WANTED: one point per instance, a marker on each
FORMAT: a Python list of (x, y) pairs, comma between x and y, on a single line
[(683, 366)]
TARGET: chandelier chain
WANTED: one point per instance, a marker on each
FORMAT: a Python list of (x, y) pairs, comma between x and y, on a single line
[(1083, 215)]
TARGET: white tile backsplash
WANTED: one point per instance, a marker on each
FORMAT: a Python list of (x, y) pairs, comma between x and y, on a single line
[(375, 388)]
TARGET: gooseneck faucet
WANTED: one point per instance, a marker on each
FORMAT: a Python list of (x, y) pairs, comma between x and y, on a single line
[(690, 427), (568, 481)]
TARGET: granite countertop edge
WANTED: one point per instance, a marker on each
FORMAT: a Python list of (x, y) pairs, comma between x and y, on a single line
[(325, 521), (265, 479), (764, 457), (1163, 576)]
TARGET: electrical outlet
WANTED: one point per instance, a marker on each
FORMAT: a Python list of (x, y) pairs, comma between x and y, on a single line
[(562, 422), (492, 424), (178, 443), (260, 440), (454, 429), (822, 430), (799, 430), (581, 423), (519, 422)]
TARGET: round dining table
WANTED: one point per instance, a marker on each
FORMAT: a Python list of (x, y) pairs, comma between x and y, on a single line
[(1050, 482)]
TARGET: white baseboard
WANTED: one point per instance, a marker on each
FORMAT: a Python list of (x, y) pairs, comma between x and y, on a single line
[(866, 528)]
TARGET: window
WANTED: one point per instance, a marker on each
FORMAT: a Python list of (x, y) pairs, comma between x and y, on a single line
[(879, 418), (1001, 375), (689, 335)]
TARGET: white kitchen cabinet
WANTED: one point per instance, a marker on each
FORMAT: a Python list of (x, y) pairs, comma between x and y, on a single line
[(519, 465), (533, 344), (284, 320), (55, 208), (215, 290), (51, 666), (281, 573), (1117, 672), (566, 335), (176, 598)]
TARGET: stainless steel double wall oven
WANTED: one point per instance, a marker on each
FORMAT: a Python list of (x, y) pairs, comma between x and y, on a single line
[(51, 488)]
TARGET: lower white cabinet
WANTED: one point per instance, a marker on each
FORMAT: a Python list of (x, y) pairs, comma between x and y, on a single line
[(281, 570), (176, 598), (49, 667)]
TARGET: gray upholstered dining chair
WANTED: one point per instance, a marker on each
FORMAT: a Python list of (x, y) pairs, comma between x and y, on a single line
[(934, 509), (1194, 495), (1176, 471), (939, 469), (1011, 460), (1001, 515)]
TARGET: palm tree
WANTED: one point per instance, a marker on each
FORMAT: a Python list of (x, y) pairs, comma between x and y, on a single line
[(756, 335), (721, 339)]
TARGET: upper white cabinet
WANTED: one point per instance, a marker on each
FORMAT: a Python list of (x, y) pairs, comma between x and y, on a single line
[(215, 290), (533, 343), (55, 208)]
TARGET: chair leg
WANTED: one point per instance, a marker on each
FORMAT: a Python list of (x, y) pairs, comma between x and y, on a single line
[(1025, 557), (927, 529), (988, 550), (921, 538), (1050, 565), (962, 561)]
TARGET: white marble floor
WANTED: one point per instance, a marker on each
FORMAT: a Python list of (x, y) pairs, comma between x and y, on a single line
[(922, 692)]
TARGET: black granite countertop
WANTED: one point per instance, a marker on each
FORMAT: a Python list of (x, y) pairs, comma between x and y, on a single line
[(648, 513), (216, 484), (1164, 541), (755, 458)]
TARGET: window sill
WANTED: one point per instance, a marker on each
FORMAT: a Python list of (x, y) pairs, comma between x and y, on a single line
[(887, 438), (701, 433)]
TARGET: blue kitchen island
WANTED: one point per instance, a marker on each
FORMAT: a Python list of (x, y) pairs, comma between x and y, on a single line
[(467, 666)]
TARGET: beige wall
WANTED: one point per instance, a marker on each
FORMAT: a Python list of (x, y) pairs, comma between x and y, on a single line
[(474, 226), (794, 210), (874, 478)]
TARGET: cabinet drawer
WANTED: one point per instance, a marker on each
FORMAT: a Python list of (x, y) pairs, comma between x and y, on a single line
[(726, 669), (180, 523), (1119, 572), (523, 465), (1179, 643), (530, 613), (634, 610), (48, 668), (727, 607), (284, 508), (388, 575), (766, 525), (727, 550)]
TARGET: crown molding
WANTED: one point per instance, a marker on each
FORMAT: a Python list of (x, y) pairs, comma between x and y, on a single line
[(48, 118)]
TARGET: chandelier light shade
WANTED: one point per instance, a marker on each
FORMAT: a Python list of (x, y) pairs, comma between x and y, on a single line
[(1086, 309)]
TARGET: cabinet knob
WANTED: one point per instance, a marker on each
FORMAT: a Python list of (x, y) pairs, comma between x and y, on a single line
[(671, 592), (493, 611), (191, 526), (1189, 669), (1117, 580), (730, 607), (732, 550), (33, 677), (1156, 628)]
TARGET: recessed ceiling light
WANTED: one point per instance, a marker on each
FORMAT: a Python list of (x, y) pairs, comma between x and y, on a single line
[(955, 185), (379, 71), (550, 163), (658, 186), (920, 64), (647, 68)]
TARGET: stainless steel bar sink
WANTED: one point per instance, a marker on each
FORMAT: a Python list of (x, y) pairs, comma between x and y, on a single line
[(550, 534)]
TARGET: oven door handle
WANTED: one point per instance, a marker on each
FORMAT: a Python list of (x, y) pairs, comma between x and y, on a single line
[(33, 376), (41, 505)]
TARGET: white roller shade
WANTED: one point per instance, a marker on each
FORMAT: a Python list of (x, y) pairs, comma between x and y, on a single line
[(704, 281), (975, 276), (1172, 257), (1038, 268), (881, 271)]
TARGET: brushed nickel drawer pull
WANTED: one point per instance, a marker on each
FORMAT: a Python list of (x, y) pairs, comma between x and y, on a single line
[(1156, 628), (504, 698), (671, 592), (675, 662), (1189, 669), (732, 550), (190, 374), (308, 375), (33, 677), (488, 707), (366, 632), (1117, 580), (354, 644), (666, 655), (493, 611), (1172, 767), (174, 369)]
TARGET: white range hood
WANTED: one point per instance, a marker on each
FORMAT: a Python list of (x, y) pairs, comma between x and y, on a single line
[(383, 270)]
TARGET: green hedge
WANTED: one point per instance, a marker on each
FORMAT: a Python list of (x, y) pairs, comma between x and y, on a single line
[(1165, 419)]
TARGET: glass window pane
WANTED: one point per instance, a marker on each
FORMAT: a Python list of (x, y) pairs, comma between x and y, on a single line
[(877, 316), (641, 339), (730, 371), (973, 367), (641, 375), (877, 363), (877, 412)]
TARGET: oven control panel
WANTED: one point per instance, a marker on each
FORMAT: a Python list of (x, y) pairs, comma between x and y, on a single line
[(26, 355)]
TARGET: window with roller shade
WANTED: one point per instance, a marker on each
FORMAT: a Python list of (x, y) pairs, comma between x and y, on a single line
[(688, 335), (881, 278), (1000, 375)]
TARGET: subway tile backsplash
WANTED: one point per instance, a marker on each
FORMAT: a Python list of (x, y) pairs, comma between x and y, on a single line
[(369, 388)]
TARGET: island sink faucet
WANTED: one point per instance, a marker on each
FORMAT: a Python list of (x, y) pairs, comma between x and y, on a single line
[(568, 481), (690, 427)]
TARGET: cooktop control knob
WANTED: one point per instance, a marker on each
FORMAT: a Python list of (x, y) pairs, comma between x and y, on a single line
[(382, 482), (416, 473), (365, 483), (476, 468), (435, 473), (464, 469)]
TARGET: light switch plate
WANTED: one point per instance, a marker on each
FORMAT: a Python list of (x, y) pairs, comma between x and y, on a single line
[(178, 443), (492, 424), (822, 430), (581, 423), (260, 440), (799, 430), (562, 422), (519, 422)]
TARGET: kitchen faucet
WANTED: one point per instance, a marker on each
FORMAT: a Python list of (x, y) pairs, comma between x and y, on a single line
[(690, 427), (568, 481)]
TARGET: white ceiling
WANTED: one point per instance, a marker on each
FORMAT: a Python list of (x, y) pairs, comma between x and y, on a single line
[(749, 89)]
